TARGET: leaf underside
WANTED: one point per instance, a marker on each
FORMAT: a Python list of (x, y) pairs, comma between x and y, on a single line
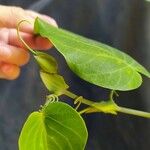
[(94, 62), (57, 127)]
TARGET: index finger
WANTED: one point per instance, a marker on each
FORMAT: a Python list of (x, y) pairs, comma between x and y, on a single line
[(13, 15)]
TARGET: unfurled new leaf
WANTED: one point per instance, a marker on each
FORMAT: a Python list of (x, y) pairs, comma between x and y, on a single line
[(94, 62), (57, 127)]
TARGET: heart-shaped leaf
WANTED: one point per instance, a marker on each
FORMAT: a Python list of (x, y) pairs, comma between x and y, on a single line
[(94, 62), (57, 127)]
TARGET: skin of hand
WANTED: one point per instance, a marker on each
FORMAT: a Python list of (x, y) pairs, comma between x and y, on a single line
[(13, 54)]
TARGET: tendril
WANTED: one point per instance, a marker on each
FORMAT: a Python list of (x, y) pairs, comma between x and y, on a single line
[(112, 93), (78, 102), (52, 98), (21, 39)]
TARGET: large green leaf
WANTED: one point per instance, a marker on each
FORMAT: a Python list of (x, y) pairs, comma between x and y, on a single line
[(57, 127), (93, 61)]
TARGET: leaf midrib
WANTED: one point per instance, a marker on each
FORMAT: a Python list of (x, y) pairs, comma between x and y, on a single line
[(66, 139), (64, 126), (94, 54)]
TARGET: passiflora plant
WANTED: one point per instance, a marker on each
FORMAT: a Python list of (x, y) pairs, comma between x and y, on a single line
[(57, 125)]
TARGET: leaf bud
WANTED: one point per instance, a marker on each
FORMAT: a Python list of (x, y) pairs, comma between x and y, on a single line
[(54, 83), (46, 62)]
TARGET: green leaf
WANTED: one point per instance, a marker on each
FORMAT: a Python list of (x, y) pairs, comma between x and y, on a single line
[(57, 127), (46, 62), (33, 135), (94, 62), (54, 83)]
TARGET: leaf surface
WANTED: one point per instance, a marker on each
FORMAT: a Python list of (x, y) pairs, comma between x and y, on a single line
[(93, 61), (57, 127)]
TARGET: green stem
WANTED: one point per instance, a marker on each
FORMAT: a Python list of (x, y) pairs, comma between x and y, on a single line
[(134, 112), (74, 96), (107, 107), (84, 110), (18, 29)]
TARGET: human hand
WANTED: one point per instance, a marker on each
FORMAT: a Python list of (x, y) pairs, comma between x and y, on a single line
[(13, 54)]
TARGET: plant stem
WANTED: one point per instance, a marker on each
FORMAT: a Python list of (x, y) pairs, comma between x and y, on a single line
[(74, 96), (134, 112), (107, 107), (84, 110), (103, 106), (18, 29)]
